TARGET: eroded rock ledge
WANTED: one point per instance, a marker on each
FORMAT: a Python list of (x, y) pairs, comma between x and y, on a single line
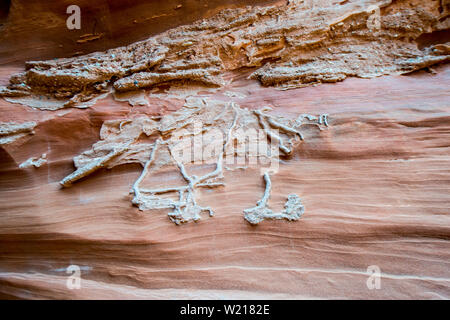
[(297, 44)]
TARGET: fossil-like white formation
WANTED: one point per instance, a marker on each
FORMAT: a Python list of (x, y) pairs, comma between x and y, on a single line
[(291, 45), (205, 132)]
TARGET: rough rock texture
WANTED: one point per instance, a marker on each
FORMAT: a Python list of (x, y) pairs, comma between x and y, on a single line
[(201, 132), (10, 131), (296, 44), (34, 162), (373, 185)]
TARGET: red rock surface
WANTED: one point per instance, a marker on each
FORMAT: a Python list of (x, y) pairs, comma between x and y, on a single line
[(375, 186), (41, 25)]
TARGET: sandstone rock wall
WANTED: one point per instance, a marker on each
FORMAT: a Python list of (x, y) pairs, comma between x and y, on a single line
[(361, 181)]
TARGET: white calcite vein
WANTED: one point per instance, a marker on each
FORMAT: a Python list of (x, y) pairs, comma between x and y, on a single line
[(293, 208)]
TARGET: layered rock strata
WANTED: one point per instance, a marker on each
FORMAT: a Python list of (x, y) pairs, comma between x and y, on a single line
[(296, 44)]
